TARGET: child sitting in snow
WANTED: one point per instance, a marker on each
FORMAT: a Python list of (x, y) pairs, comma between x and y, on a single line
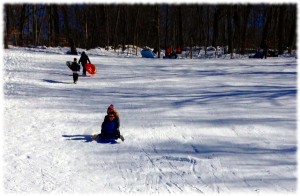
[(110, 126), (111, 108)]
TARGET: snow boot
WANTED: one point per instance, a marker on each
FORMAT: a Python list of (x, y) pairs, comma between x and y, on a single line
[(95, 137), (122, 138)]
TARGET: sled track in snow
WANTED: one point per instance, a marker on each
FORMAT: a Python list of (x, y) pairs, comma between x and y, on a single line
[(190, 126)]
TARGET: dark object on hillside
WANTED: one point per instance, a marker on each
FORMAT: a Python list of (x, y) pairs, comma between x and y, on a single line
[(147, 53), (171, 56), (260, 54)]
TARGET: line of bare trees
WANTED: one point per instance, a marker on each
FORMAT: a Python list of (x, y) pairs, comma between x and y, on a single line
[(238, 26)]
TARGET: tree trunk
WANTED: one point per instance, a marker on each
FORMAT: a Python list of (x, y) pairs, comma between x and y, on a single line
[(124, 28), (208, 29), (292, 34), (39, 27), (244, 28), (34, 24), (191, 47), (56, 24), (266, 28), (86, 34), (135, 33), (106, 19), (7, 25), (180, 41), (157, 30), (166, 27), (216, 27), (21, 25), (229, 20), (280, 29), (200, 25), (49, 25), (115, 36), (237, 27), (68, 33)]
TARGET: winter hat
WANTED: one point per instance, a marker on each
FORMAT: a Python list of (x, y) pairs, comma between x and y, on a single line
[(111, 108)]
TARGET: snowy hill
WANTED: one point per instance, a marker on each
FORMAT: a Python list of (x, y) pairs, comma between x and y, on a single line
[(190, 126)]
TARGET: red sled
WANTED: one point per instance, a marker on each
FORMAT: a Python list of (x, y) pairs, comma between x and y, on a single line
[(91, 68)]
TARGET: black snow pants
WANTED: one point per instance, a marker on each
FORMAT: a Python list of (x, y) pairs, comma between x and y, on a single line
[(75, 77)]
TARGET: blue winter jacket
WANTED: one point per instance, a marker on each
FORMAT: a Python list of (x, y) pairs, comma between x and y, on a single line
[(110, 129)]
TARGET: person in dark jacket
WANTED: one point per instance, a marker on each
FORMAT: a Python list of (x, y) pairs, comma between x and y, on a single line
[(110, 128), (168, 52), (264, 46), (83, 60), (75, 67)]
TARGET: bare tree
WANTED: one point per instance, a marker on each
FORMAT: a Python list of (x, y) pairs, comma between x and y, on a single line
[(7, 25), (135, 33), (94, 25), (217, 16), (180, 38), (166, 26), (68, 33), (229, 21), (157, 30), (55, 23), (21, 24), (124, 31), (281, 15), (267, 24), (292, 34), (245, 14)]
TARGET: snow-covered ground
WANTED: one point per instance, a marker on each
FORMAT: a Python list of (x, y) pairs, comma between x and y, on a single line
[(213, 125)]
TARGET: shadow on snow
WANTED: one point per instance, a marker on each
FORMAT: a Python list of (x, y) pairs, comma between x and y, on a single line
[(88, 138)]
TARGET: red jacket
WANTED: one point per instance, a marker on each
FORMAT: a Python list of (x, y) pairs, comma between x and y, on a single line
[(168, 51)]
